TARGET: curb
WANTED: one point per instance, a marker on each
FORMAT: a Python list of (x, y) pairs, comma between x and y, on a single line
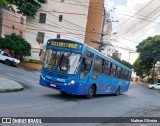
[(8, 85), (10, 90)]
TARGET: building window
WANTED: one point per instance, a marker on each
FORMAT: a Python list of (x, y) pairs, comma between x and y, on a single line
[(13, 27), (40, 37), (58, 35), (42, 18), (62, 1), (22, 20), (60, 18)]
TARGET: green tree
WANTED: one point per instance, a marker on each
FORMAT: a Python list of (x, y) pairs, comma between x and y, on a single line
[(27, 7), (149, 54), (14, 42), (4, 3), (126, 64), (122, 61), (142, 66)]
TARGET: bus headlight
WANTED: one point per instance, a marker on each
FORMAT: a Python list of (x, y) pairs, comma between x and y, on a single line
[(42, 77), (72, 81)]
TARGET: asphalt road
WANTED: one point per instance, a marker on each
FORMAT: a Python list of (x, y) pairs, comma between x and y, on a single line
[(38, 101)]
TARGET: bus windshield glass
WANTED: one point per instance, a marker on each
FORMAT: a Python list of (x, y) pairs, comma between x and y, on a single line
[(62, 61)]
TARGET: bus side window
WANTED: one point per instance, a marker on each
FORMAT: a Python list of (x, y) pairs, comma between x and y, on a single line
[(107, 68), (126, 74), (98, 65), (103, 66), (86, 64), (129, 76), (113, 70), (118, 73), (123, 74)]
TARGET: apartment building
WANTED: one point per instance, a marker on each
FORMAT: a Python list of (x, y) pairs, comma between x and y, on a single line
[(57, 19), (11, 22)]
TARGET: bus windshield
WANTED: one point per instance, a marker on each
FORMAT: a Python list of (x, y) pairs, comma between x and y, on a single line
[(62, 61)]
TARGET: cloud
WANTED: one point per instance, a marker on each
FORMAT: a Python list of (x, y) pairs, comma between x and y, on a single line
[(136, 27)]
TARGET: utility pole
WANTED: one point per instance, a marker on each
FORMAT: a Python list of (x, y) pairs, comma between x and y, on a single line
[(102, 31), (101, 43)]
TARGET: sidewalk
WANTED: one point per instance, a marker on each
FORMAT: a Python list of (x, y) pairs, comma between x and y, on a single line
[(7, 85), (27, 69)]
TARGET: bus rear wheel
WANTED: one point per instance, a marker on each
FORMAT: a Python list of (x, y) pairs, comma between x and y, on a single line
[(118, 91), (91, 92)]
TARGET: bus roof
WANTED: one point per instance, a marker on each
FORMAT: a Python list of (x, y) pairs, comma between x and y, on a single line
[(96, 52)]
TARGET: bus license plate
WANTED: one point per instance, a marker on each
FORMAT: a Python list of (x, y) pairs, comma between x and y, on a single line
[(52, 85)]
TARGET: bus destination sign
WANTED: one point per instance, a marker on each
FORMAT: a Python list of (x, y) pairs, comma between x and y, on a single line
[(65, 44)]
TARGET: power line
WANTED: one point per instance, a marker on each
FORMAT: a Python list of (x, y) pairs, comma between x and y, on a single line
[(137, 12), (142, 27), (138, 23)]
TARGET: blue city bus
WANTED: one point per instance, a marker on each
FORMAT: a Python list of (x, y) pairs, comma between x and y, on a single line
[(76, 68)]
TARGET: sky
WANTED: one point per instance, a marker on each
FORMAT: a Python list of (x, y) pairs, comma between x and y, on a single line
[(137, 20)]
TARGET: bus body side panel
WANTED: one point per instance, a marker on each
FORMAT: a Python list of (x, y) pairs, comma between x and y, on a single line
[(84, 85), (125, 86), (107, 84)]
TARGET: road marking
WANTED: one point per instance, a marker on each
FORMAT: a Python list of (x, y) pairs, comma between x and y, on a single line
[(12, 107)]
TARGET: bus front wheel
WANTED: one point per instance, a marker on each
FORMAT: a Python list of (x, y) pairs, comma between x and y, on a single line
[(118, 91), (91, 92)]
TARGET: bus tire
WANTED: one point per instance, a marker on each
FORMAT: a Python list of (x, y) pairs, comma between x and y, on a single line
[(118, 91), (7, 62), (91, 92)]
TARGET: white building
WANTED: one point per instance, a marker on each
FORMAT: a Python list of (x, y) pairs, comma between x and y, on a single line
[(57, 19)]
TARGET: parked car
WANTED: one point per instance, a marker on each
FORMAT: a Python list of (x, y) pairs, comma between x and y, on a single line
[(8, 60), (154, 86)]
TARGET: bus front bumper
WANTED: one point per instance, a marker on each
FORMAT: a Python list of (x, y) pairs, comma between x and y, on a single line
[(67, 88)]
